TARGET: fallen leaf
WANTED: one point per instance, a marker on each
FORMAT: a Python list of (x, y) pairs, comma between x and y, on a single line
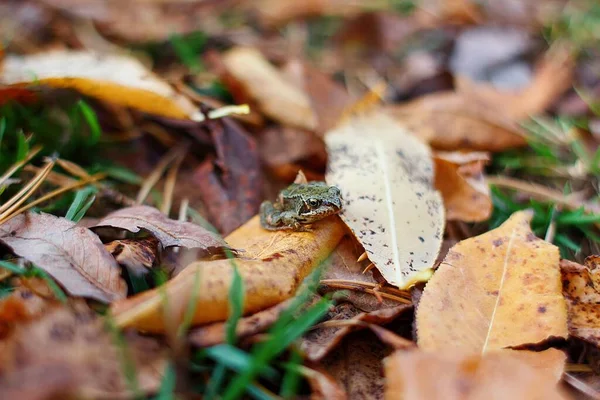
[(169, 232), (137, 255), (341, 321), (322, 385), (581, 284), (276, 97), (459, 178), (507, 375), (215, 333), (493, 291), (116, 79), (386, 179), (231, 184), (68, 351), (274, 265), (73, 255)]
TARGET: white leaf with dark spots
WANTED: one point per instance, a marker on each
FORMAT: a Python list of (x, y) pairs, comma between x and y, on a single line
[(71, 254), (390, 204)]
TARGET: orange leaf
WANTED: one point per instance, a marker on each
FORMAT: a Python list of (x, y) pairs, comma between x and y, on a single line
[(272, 267), (493, 291)]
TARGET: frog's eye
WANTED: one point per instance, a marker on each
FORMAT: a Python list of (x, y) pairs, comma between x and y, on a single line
[(314, 202)]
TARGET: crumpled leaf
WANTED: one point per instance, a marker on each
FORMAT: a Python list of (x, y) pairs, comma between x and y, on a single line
[(323, 385), (459, 177), (415, 375), (216, 333), (72, 254), (169, 232), (68, 351), (137, 255), (386, 179), (492, 291), (321, 340), (581, 284), (113, 78), (273, 266), (231, 184), (276, 97)]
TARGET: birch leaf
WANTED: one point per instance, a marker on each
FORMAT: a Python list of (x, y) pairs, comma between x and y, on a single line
[(496, 290), (113, 78), (386, 179), (72, 254)]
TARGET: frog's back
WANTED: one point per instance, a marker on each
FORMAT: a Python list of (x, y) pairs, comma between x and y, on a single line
[(305, 190)]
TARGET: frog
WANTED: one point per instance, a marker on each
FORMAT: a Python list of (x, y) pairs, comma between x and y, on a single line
[(300, 205)]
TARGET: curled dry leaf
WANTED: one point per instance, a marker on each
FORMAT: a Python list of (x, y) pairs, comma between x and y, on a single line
[(459, 177), (113, 78), (265, 84), (274, 265), (137, 255), (72, 254), (68, 352), (323, 385), (213, 334), (386, 179), (581, 287), (415, 375), (169, 232), (342, 320), (492, 291)]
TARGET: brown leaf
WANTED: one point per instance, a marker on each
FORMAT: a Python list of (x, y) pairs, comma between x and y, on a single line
[(581, 285), (274, 265), (322, 385), (73, 341), (493, 291), (319, 342), (459, 177), (259, 322), (276, 97), (73, 255), (169, 232), (137, 255), (508, 375), (231, 184)]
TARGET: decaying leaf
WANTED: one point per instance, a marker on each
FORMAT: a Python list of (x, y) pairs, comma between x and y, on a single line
[(169, 232), (72, 254), (276, 97), (231, 184), (492, 291), (581, 285), (459, 177), (342, 320), (213, 334), (137, 255), (323, 385), (509, 375), (113, 78), (68, 352), (386, 179), (274, 265)]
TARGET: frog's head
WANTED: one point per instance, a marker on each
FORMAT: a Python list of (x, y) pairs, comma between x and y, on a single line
[(320, 202)]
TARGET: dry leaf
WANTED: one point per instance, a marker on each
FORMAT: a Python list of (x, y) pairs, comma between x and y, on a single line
[(416, 375), (259, 322), (68, 351), (264, 83), (459, 177), (137, 255), (492, 291), (341, 321), (581, 286), (113, 78), (386, 179), (72, 254), (274, 265), (322, 385), (169, 232)]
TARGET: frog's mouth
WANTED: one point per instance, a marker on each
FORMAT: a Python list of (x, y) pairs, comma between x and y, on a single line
[(325, 209)]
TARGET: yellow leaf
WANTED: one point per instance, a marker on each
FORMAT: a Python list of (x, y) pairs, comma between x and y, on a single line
[(499, 289), (273, 266), (113, 78)]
